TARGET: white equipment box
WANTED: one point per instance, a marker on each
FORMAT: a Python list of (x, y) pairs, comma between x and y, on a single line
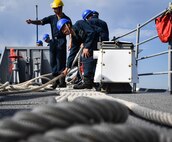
[(116, 63)]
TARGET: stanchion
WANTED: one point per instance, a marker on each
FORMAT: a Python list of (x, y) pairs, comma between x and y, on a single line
[(37, 70), (170, 67)]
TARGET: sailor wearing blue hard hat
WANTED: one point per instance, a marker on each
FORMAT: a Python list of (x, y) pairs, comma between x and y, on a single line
[(81, 34), (95, 14), (86, 13), (46, 37), (98, 25), (39, 43)]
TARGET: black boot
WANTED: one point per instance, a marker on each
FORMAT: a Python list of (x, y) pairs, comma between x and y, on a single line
[(87, 84), (54, 85), (62, 82)]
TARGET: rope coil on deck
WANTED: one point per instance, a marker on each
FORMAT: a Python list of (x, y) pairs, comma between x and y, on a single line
[(163, 118), (61, 115), (27, 86), (104, 132)]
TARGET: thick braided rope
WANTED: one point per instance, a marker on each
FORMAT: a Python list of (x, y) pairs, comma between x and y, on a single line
[(146, 113), (31, 89), (61, 115), (99, 133)]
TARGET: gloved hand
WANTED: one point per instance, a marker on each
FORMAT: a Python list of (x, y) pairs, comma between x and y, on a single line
[(66, 70)]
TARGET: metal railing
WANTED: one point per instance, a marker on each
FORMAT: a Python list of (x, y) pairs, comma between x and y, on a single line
[(138, 43)]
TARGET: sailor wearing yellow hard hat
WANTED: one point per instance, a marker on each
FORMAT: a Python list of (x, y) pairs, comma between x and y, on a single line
[(58, 48), (56, 4)]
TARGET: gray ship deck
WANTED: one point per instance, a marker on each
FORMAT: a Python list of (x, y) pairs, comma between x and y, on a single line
[(13, 103)]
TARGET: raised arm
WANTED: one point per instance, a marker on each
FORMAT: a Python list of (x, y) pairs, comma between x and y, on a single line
[(35, 22)]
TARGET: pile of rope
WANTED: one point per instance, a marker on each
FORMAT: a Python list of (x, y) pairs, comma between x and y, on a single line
[(98, 133), (28, 86), (163, 118), (82, 120), (62, 115)]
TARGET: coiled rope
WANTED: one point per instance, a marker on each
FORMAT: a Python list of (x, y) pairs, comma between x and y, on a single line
[(78, 60), (24, 87), (104, 132), (62, 115), (7, 88), (163, 118)]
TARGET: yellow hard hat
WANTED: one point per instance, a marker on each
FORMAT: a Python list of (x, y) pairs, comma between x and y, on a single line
[(56, 4)]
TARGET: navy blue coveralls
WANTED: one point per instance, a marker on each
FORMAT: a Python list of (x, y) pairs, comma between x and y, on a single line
[(58, 45), (85, 34), (100, 27)]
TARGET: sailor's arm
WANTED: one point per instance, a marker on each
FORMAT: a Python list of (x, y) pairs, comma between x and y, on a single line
[(35, 22)]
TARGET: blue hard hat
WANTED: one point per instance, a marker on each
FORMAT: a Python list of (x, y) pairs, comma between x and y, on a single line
[(86, 13), (95, 12), (39, 42), (45, 37), (61, 23)]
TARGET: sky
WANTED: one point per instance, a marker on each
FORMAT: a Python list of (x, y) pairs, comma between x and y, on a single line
[(120, 15)]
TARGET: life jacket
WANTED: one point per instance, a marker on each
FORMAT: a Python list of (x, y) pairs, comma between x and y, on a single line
[(164, 27)]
